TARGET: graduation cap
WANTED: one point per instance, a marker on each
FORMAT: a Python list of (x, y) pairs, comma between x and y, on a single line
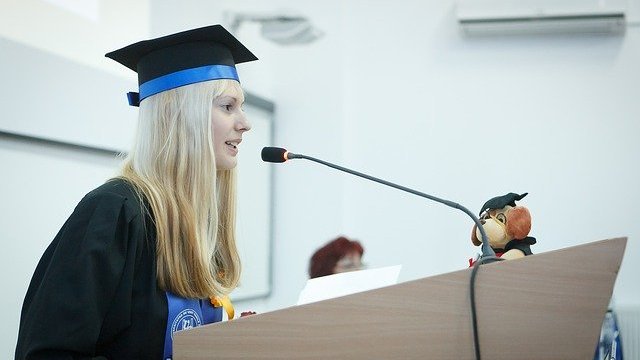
[(184, 58), (499, 202)]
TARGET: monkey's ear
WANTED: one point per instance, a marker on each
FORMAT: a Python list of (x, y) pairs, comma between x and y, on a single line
[(474, 237), (518, 222)]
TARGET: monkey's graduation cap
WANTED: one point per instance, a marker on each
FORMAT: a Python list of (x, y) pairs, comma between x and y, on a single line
[(499, 202), (184, 58)]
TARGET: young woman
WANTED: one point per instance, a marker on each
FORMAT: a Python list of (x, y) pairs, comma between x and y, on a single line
[(152, 251)]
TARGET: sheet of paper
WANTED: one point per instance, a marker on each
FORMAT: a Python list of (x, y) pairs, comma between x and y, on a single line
[(331, 286)]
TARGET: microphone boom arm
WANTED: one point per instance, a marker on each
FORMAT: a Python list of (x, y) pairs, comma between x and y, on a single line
[(487, 251)]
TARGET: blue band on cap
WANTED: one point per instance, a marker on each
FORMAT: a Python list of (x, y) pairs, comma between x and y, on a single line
[(186, 77)]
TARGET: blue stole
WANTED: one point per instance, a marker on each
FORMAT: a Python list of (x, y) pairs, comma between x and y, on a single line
[(185, 314)]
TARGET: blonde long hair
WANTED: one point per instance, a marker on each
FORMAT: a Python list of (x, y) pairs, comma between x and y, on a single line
[(193, 205)]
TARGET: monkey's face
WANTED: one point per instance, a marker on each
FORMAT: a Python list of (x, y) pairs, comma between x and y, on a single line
[(494, 223)]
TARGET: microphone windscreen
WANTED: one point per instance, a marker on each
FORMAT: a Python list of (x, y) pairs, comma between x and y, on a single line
[(273, 154)]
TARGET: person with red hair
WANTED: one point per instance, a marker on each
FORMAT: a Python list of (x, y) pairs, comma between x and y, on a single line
[(337, 256)]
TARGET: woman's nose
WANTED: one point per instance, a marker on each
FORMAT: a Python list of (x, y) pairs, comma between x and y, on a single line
[(243, 124)]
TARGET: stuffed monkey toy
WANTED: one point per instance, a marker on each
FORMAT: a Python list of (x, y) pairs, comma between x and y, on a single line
[(507, 226)]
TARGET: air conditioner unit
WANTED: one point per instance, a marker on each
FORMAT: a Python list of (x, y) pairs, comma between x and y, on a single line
[(499, 17)]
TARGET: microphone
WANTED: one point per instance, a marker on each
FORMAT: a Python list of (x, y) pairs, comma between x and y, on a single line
[(280, 155), (274, 154)]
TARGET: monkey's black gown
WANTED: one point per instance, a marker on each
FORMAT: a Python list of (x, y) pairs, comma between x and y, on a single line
[(94, 293)]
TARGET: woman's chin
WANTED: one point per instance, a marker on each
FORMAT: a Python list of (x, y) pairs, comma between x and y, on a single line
[(226, 164)]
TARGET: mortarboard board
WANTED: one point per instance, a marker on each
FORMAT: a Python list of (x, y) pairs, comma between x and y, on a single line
[(184, 58), (499, 202)]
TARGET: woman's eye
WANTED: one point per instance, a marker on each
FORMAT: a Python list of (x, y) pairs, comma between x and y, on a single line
[(501, 218), (227, 107)]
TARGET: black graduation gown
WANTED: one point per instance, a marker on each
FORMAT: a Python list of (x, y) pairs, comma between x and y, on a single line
[(94, 293)]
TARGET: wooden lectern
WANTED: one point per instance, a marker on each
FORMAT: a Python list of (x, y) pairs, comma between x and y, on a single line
[(544, 306)]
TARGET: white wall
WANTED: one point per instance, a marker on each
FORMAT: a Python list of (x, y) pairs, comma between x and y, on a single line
[(469, 119)]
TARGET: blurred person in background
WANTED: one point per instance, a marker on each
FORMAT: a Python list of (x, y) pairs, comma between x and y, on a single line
[(337, 256)]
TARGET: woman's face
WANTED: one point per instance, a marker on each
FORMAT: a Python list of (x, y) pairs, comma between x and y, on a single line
[(350, 262), (229, 123)]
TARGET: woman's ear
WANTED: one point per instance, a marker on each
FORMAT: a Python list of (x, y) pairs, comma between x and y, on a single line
[(518, 222), (474, 237)]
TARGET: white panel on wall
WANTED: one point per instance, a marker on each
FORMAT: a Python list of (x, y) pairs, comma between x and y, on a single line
[(51, 97)]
